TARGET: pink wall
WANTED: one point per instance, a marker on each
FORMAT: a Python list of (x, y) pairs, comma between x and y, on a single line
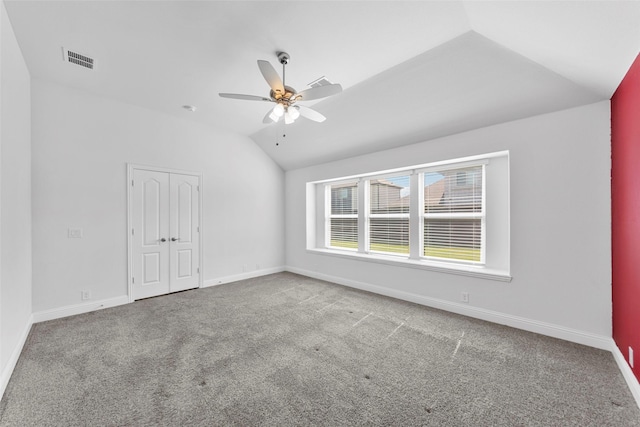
[(625, 205)]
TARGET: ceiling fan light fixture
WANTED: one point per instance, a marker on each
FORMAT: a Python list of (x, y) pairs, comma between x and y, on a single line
[(285, 96), (278, 110), (273, 117), (293, 112), (288, 119)]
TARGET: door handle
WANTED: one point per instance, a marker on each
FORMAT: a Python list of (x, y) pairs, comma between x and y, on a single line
[(163, 240), (173, 239)]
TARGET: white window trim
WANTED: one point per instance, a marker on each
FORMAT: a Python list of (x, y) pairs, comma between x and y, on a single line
[(457, 215), (444, 267), (414, 259), (329, 216)]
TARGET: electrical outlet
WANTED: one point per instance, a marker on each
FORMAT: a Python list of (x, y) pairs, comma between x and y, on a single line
[(464, 297), (74, 233), (631, 356), (257, 266), (85, 295), (244, 268)]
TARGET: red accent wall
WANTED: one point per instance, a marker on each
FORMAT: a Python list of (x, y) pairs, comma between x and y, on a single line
[(625, 213)]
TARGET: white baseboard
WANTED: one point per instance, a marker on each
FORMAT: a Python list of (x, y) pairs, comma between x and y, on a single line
[(543, 328), (242, 276), (627, 373), (15, 355), (71, 310)]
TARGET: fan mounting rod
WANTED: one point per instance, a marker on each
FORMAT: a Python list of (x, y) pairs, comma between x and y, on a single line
[(283, 57)]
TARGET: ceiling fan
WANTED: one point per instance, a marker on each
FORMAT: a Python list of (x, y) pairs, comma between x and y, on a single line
[(286, 97)]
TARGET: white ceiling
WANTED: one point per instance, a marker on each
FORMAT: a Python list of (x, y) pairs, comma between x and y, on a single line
[(411, 70)]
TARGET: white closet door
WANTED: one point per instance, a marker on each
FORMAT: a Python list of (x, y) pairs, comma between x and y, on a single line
[(150, 233), (184, 250)]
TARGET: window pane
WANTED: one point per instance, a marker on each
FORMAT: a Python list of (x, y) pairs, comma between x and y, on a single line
[(389, 195), (344, 199), (344, 232), (389, 235), (458, 239), (458, 190), (455, 191)]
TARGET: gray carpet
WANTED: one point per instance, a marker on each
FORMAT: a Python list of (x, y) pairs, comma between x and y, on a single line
[(287, 350)]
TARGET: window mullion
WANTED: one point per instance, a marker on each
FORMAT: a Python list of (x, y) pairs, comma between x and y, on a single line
[(415, 197), (327, 216), (483, 226), (363, 216)]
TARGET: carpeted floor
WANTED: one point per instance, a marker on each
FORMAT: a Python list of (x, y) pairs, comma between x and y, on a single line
[(285, 350)]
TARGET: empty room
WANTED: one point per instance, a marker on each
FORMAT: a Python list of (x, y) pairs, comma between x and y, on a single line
[(319, 213)]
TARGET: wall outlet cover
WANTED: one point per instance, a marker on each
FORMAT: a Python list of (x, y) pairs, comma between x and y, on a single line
[(74, 233)]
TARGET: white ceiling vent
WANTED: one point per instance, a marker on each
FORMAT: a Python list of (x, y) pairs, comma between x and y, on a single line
[(322, 81), (77, 58)]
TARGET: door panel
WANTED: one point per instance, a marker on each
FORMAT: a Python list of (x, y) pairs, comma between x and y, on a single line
[(151, 267), (184, 229), (150, 224), (185, 212), (185, 264), (151, 212)]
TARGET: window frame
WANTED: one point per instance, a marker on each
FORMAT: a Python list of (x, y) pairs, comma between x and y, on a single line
[(495, 219), (368, 215), (329, 215), (450, 215)]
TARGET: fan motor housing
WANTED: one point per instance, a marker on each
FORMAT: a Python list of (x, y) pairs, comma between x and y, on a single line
[(286, 98), (283, 57)]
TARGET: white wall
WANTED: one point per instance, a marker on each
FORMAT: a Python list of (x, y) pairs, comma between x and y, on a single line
[(560, 226), (81, 144), (15, 200)]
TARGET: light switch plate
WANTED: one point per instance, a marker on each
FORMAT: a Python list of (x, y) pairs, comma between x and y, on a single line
[(75, 233)]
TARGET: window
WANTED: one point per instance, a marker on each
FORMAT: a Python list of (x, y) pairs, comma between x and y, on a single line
[(453, 214), (389, 215), (343, 215), (450, 216)]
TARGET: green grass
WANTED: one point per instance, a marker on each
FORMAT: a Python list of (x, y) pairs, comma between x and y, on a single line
[(344, 244), (459, 254)]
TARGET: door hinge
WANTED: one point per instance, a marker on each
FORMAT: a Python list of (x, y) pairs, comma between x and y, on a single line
[(198, 229), (133, 280), (132, 183), (132, 232), (198, 187), (198, 270)]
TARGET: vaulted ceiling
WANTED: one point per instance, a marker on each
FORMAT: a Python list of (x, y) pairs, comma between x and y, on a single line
[(411, 71)]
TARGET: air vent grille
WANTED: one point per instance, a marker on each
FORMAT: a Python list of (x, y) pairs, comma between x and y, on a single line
[(77, 58), (322, 81)]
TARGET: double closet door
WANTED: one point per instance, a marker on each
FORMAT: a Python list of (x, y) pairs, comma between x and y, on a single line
[(165, 232)]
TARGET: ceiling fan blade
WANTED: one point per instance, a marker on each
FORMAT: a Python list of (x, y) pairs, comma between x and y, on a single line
[(245, 97), (319, 92), (271, 76), (310, 114)]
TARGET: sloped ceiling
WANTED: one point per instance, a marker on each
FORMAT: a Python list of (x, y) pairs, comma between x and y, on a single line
[(411, 70)]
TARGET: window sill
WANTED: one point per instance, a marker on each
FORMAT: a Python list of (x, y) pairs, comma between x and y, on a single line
[(462, 270)]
